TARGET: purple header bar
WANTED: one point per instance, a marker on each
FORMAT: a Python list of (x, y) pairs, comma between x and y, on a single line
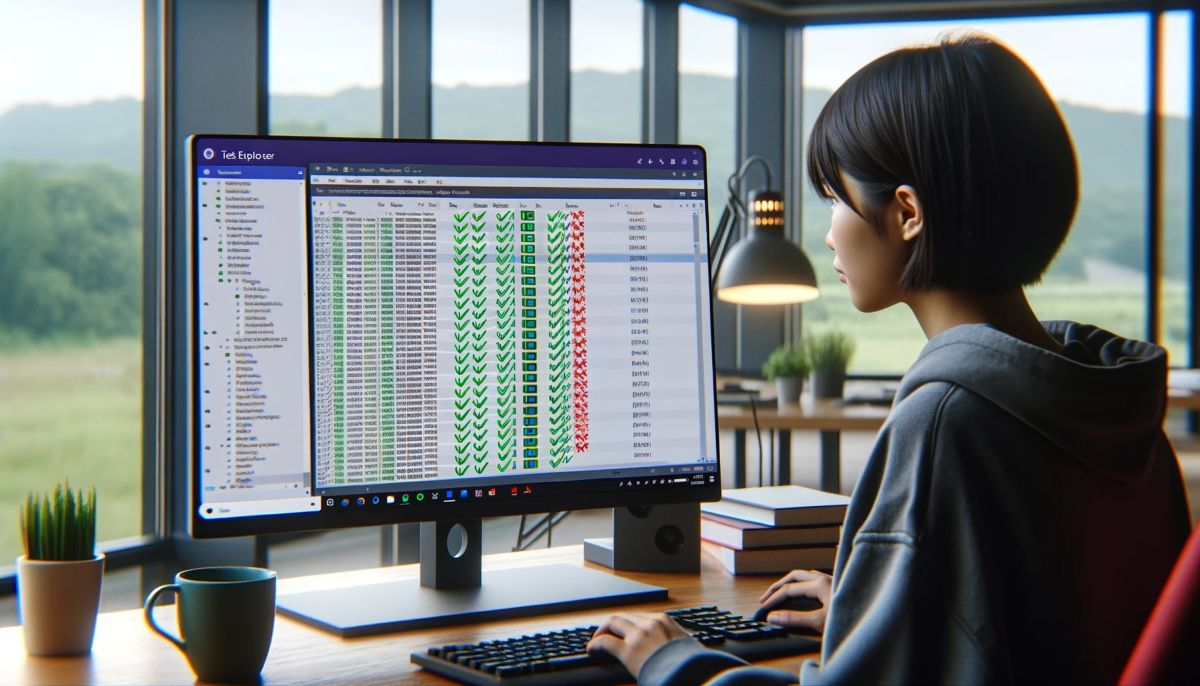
[(288, 151)]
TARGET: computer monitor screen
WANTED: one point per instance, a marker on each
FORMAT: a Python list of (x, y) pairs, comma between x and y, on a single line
[(389, 331)]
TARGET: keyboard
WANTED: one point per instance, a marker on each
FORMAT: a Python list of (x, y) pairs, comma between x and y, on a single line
[(561, 657)]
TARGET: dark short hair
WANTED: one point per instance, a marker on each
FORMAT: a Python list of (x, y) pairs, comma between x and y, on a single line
[(968, 125)]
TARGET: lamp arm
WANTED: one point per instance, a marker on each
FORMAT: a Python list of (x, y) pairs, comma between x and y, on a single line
[(755, 159), (720, 242), (736, 179), (735, 197)]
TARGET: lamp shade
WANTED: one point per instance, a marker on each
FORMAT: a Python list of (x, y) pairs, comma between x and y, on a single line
[(766, 268)]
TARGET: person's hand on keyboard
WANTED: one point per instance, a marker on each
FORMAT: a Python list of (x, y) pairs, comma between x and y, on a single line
[(789, 591), (633, 637)]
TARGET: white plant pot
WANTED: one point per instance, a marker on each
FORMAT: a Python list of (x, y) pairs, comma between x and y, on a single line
[(787, 390), (58, 602)]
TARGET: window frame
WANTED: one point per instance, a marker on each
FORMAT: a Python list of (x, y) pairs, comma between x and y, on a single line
[(1152, 226), (407, 95)]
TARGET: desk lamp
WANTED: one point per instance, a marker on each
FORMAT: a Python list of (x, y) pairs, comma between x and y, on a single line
[(764, 268)]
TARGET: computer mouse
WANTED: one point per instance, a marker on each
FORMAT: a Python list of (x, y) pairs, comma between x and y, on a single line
[(798, 604)]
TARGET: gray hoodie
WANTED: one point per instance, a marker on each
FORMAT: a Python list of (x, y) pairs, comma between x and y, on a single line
[(1016, 519)]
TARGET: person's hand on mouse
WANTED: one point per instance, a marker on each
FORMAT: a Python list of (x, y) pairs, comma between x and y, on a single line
[(633, 637), (799, 583)]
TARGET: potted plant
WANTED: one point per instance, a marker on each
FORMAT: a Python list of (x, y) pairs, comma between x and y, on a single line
[(58, 577), (829, 354), (787, 366)]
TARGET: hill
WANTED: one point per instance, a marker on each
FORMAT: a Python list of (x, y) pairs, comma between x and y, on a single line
[(1110, 145)]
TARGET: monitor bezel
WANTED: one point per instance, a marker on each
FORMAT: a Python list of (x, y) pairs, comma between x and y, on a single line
[(201, 527)]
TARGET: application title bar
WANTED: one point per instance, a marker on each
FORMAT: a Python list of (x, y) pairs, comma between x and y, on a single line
[(219, 150)]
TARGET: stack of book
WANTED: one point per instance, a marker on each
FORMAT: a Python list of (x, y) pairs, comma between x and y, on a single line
[(775, 529)]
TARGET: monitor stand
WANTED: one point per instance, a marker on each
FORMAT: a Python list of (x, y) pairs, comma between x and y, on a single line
[(453, 589)]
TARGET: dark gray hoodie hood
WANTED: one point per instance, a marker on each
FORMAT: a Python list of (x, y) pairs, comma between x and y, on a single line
[(1101, 400)]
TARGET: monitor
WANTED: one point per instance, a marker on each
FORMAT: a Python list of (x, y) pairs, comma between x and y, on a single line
[(392, 331)]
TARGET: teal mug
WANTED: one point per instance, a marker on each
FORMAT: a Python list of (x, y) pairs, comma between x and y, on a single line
[(226, 618)]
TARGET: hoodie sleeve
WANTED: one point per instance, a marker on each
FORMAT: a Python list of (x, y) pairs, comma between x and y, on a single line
[(684, 662), (888, 623), (890, 620)]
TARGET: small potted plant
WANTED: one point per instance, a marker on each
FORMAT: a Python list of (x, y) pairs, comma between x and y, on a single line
[(787, 366), (59, 576), (829, 354)]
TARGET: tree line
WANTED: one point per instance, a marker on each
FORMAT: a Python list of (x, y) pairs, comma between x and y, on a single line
[(70, 252), (71, 247)]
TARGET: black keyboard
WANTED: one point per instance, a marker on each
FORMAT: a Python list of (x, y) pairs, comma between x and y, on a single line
[(561, 657)]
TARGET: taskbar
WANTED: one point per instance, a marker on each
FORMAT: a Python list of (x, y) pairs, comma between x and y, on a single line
[(428, 494)]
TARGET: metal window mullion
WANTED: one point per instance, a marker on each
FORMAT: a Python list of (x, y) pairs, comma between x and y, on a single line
[(407, 68), (214, 66), (262, 59), (792, 174), (407, 94), (549, 70), (1154, 195), (761, 83), (1193, 297), (660, 71), (841, 12), (153, 258)]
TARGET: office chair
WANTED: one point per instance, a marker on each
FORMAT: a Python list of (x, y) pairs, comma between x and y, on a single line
[(1168, 651)]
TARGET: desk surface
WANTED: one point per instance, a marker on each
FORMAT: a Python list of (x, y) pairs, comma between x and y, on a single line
[(1183, 399), (828, 415), (809, 413), (126, 652)]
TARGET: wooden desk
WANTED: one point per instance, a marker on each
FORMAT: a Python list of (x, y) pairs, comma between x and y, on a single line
[(1183, 389), (1183, 399), (830, 419), (126, 652), (825, 416)]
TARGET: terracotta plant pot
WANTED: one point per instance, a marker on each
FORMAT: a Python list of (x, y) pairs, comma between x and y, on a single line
[(58, 602)]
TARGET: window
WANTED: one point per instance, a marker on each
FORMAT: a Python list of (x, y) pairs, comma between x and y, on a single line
[(707, 92), (71, 258), (606, 70), (325, 67), (481, 69), (71, 321), (1095, 67)]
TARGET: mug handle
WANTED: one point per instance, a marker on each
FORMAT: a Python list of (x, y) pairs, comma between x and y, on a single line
[(149, 610)]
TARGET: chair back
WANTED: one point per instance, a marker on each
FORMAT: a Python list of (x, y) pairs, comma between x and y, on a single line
[(1168, 651)]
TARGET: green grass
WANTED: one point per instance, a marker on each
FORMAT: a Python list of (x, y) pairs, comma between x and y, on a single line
[(889, 341), (74, 412)]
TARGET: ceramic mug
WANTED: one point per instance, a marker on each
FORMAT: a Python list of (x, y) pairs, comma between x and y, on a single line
[(226, 618)]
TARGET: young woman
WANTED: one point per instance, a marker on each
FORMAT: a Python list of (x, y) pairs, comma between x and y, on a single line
[(1022, 506)]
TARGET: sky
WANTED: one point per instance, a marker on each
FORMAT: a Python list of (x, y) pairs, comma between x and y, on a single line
[(73, 51), (1096, 60)]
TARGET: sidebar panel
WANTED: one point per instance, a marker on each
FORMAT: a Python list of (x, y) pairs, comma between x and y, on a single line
[(252, 332)]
